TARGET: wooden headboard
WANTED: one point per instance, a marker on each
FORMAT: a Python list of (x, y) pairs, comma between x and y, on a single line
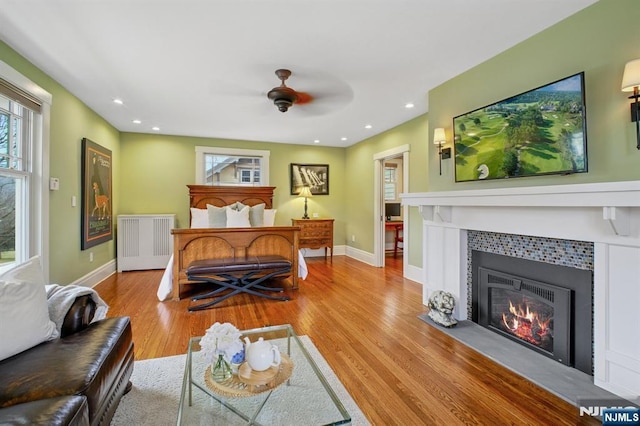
[(219, 196)]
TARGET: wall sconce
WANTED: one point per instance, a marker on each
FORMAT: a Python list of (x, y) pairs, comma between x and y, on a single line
[(440, 139), (306, 193), (630, 83)]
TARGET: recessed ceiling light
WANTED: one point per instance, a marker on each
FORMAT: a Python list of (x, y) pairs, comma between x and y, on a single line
[(343, 138), (316, 141), (118, 101), (409, 105), (368, 126), (137, 121), (156, 128)]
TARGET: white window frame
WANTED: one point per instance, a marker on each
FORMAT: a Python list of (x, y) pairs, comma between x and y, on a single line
[(237, 152), (393, 181), (38, 228)]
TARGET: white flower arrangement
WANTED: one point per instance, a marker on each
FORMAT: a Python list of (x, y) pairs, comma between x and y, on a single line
[(221, 339)]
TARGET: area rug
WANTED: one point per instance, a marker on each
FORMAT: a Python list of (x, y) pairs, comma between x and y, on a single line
[(157, 384)]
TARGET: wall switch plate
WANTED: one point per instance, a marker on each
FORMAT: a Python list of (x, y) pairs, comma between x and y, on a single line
[(73, 201), (54, 184)]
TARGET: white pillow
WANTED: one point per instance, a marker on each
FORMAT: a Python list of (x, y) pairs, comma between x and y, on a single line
[(217, 216), (270, 217), (199, 218), (238, 219), (256, 213), (24, 314)]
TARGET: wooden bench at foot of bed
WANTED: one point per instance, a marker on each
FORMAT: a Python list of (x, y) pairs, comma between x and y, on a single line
[(219, 243), (232, 276)]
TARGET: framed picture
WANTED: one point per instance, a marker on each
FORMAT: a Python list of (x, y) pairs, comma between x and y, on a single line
[(97, 223), (316, 176), (538, 132)]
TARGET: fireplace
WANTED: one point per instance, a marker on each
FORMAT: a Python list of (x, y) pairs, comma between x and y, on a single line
[(534, 314), (605, 214), (543, 306)]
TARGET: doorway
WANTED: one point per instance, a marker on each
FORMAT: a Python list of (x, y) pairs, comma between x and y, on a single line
[(397, 158)]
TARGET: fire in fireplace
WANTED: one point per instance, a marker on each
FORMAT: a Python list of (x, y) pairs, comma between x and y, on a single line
[(531, 324)]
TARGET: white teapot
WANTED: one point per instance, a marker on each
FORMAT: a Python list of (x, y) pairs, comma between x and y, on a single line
[(261, 355)]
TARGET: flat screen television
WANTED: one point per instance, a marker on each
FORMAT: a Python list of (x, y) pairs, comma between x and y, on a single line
[(539, 132), (391, 209)]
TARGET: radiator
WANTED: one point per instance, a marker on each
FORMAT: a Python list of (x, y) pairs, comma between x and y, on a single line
[(144, 241)]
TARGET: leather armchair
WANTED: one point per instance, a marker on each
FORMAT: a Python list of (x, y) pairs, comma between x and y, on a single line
[(75, 380)]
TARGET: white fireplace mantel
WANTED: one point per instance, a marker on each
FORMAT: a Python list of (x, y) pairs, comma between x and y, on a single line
[(589, 212), (606, 214), (622, 194)]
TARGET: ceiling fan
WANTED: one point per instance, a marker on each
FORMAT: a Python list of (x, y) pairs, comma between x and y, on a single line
[(283, 96)]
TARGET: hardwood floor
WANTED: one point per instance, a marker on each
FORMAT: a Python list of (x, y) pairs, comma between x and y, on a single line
[(399, 370)]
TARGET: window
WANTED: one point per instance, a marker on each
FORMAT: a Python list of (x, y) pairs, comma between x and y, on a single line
[(225, 166), (390, 182), (14, 177), (24, 118)]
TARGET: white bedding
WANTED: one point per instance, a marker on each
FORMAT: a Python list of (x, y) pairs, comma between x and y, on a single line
[(166, 283)]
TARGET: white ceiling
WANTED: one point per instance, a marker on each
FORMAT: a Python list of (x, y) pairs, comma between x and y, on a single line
[(203, 67)]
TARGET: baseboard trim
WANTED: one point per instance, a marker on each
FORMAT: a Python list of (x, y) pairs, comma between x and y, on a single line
[(97, 275), (414, 273), (360, 255)]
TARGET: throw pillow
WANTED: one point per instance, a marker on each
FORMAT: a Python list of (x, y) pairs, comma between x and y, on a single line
[(217, 216), (269, 217), (256, 213), (200, 218), (24, 314), (238, 219)]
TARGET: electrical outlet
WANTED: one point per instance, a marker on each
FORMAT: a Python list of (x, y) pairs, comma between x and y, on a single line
[(315, 215), (90, 256), (353, 238)]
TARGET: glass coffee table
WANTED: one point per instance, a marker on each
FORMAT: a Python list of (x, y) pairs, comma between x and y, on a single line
[(303, 397)]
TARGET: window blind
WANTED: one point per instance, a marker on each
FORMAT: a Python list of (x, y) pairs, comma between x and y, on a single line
[(20, 96)]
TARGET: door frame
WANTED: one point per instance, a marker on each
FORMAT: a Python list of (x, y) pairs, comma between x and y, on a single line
[(378, 201)]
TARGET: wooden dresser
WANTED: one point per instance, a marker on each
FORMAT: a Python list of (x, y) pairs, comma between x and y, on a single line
[(315, 234)]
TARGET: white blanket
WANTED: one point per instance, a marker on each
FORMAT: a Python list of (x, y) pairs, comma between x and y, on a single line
[(166, 283), (61, 297)]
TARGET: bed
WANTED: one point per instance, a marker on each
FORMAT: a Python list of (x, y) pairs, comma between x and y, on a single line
[(237, 242)]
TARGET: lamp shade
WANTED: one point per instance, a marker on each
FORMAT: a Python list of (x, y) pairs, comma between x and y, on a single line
[(305, 192), (438, 136), (631, 76)]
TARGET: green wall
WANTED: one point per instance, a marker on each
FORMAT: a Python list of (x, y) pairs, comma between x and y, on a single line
[(360, 183), (71, 121), (598, 40), (155, 170)]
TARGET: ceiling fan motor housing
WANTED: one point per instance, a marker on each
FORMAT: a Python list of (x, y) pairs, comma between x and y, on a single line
[(282, 96), (283, 99)]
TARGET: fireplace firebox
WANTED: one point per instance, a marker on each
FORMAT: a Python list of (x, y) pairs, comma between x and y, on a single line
[(545, 307), (534, 314)]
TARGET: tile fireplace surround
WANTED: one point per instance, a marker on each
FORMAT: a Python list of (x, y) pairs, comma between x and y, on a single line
[(606, 214)]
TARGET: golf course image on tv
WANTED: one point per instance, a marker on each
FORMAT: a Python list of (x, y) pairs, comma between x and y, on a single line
[(539, 132)]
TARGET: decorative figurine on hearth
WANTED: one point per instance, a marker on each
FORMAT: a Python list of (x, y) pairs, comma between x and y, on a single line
[(441, 306)]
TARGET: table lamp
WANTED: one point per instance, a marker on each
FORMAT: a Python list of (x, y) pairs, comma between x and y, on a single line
[(306, 193)]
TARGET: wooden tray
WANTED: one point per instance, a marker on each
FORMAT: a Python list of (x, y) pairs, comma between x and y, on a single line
[(253, 383)]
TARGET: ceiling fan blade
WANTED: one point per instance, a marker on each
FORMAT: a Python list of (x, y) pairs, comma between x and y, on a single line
[(304, 98)]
